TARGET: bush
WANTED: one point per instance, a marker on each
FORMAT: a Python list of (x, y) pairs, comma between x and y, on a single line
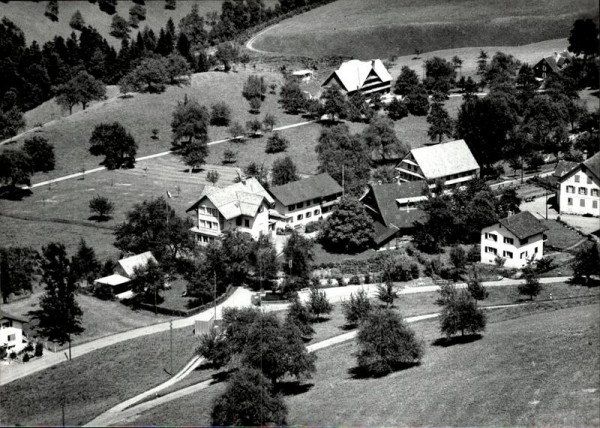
[(367, 278), (220, 114), (386, 343), (28, 348), (318, 304), (340, 281), (276, 143), (354, 280), (474, 254), (532, 286), (397, 110), (299, 315), (544, 264), (26, 358), (313, 226), (39, 349), (460, 313), (103, 292), (357, 308)]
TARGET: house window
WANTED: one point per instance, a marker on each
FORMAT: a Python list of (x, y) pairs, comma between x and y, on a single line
[(7, 324), (238, 221), (570, 189), (570, 201), (509, 241), (583, 191), (594, 192), (582, 202), (589, 180), (317, 212), (308, 214), (523, 255), (576, 179), (292, 207), (594, 204), (524, 241), (535, 250), (246, 223), (316, 201), (491, 237), (491, 250), (216, 225), (507, 254), (300, 205), (300, 217), (11, 337)]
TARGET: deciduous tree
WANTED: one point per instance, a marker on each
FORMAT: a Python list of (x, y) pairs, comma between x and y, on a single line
[(119, 28), (587, 262), (116, 144), (406, 81), (386, 343), (147, 283), (291, 97), (18, 267), (220, 114), (298, 254), (190, 123), (15, 168), (151, 75), (397, 109), (194, 154), (379, 136), (318, 304), (40, 152), (299, 315), (102, 206), (460, 314), (283, 171), (81, 89), (417, 101), (357, 308), (349, 229), (276, 143)]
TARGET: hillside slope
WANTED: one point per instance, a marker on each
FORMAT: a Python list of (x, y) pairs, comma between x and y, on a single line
[(29, 16), (383, 28)]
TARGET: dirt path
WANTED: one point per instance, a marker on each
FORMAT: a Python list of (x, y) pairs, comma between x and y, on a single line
[(250, 43)]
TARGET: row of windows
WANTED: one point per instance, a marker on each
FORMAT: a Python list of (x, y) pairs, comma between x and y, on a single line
[(582, 191), (311, 202), (582, 203), (308, 214), (589, 179), (208, 224), (238, 222), (509, 254), (494, 237), (206, 239), (462, 174), (7, 324), (210, 211)]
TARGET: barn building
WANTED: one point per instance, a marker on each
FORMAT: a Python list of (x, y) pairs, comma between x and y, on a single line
[(366, 76)]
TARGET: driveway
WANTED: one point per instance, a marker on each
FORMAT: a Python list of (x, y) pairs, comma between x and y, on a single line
[(537, 207)]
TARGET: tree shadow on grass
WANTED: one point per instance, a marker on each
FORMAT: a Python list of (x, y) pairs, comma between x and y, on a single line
[(293, 387), (363, 373), (445, 342), (591, 283), (14, 193), (99, 219)]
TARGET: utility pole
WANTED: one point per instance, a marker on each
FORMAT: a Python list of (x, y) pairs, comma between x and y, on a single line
[(171, 340), (343, 182), (546, 204), (215, 294)]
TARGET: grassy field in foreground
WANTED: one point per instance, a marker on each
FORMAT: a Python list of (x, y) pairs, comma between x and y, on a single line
[(382, 28), (100, 318), (94, 382), (538, 369)]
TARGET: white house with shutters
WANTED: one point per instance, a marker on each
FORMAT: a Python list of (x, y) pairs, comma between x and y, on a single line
[(517, 239), (451, 162), (244, 206), (365, 76), (579, 188), (11, 331)]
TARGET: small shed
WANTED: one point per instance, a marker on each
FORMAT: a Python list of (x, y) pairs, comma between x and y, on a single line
[(303, 75)]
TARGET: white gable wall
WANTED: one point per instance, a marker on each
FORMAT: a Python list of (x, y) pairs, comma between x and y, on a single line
[(516, 253), (11, 335), (578, 194)]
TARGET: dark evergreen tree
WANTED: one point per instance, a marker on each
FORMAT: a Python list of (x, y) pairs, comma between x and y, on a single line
[(18, 268), (84, 263)]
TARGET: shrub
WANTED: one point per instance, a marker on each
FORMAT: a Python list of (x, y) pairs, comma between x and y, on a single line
[(474, 254), (39, 349), (313, 226), (103, 292), (28, 348), (276, 143), (318, 304), (477, 289), (340, 281), (544, 264), (354, 280), (26, 358), (229, 156), (13, 355), (220, 114), (357, 308), (299, 315), (387, 293), (386, 343), (367, 278), (397, 110)]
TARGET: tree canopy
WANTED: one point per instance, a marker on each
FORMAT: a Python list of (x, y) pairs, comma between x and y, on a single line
[(116, 144), (283, 171), (40, 152), (18, 267), (349, 229), (190, 123)]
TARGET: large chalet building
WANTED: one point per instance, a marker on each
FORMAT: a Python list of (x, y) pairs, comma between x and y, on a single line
[(517, 239), (551, 65), (452, 163), (578, 188), (304, 201), (365, 76)]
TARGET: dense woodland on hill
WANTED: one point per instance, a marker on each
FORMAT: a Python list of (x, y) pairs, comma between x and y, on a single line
[(33, 74)]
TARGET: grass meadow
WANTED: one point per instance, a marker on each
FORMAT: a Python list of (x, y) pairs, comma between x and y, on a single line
[(131, 367), (383, 28), (535, 365)]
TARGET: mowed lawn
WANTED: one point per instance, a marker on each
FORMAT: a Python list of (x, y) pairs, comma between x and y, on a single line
[(100, 318), (141, 113), (540, 369), (94, 382), (382, 28)]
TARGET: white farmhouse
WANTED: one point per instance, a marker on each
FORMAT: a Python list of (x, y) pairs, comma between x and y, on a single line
[(244, 206), (451, 162), (365, 76), (578, 188), (11, 331), (303, 201), (517, 239)]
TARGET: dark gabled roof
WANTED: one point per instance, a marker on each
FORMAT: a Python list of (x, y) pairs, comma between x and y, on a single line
[(385, 197), (6, 315), (593, 165), (317, 186), (383, 233), (551, 61), (564, 167), (523, 225)]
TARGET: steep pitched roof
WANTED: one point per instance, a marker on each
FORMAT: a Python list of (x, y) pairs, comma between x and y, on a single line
[(8, 316), (445, 159), (523, 225), (385, 196), (243, 198), (317, 186), (593, 165), (551, 61), (564, 167), (129, 264), (352, 74)]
